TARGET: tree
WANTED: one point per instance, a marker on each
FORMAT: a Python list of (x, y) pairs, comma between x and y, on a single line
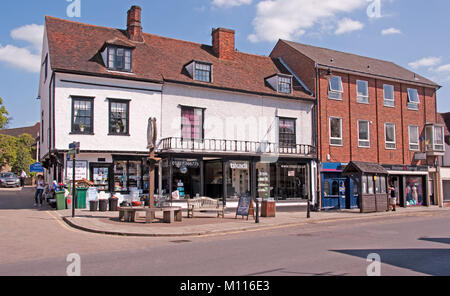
[(17, 152), (4, 119)]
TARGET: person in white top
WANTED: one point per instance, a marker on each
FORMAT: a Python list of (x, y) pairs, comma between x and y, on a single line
[(39, 191), (23, 175)]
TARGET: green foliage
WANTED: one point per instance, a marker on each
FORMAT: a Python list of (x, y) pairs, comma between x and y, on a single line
[(17, 152), (4, 119)]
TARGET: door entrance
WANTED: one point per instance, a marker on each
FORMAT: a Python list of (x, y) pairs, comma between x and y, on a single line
[(333, 193)]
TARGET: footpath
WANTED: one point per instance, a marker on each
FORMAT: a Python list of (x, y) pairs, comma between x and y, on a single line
[(205, 224)]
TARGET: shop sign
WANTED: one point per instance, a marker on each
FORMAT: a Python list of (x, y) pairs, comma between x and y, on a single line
[(235, 165), (420, 156), (81, 170), (185, 163), (291, 174), (406, 168)]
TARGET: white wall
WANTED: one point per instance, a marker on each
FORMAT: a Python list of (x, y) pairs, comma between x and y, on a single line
[(143, 105), (234, 116), (44, 94)]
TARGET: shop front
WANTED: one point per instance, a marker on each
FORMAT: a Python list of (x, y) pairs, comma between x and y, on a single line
[(231, 177), (111, 173), (338, 191), (411, 185)]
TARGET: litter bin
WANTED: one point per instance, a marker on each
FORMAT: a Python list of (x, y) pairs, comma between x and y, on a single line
[(81, 198), (93, 205), (103, 205), (113, 204), (60, 201)]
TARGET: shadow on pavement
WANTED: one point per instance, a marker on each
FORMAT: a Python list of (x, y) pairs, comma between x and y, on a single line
[(434, 262), (441, 240)]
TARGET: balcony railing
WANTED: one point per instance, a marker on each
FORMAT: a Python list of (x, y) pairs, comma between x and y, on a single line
[(233, 146)]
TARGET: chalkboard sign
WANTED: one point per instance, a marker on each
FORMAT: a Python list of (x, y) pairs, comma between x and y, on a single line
[(243, 209)]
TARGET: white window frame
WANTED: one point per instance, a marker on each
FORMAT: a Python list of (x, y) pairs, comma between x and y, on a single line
[(412, 145), (199, 64), (336, 139), (385, 137), (362, 99), (282, 80), (411, 104), (434, 138), (389, 102), (368, 135), (335, 92)]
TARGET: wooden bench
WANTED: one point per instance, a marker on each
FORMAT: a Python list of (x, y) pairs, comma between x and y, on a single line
[(170, 215), (200, 204)]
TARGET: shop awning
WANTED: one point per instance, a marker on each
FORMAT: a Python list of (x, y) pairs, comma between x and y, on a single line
[(357, 167)]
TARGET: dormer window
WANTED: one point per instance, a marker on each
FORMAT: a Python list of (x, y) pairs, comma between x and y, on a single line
[(285, 84), (281, 83), (200, 71), (119, 59)]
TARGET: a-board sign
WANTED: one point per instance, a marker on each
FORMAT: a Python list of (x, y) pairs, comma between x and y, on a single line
[(244, 205)]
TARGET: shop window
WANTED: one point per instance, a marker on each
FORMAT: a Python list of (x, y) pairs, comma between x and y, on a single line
[(364, 185), (382, 185), (335, 131), (370, 185), (82, 115), (119, 117), (362, 92), (192, 123), (326, 189), (364, 133), (335, 188), (287, 131), (335, 88), (414, 192), (389, 96)]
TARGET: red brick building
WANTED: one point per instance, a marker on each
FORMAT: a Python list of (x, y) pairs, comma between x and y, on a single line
[(372, 111)]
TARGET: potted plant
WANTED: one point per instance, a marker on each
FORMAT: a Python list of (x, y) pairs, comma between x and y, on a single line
[(82, 128), (117, 128)]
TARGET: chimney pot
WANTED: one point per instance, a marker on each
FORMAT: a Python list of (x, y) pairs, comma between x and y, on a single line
[(223, 42), (134, 24)]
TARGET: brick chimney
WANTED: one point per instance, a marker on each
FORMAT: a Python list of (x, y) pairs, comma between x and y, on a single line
[(223, 43), (134, 26)]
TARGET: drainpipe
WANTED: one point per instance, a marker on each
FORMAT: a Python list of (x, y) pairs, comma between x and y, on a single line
[(317, 141)]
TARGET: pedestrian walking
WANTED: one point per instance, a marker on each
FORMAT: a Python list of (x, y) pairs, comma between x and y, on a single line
[(38, 196), (393, 199), (23, 176)]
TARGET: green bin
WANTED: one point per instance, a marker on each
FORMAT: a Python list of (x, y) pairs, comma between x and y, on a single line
[(60, 201), (81, 198)]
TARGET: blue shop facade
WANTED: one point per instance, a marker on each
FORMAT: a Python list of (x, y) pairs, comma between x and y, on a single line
[(338, 191)]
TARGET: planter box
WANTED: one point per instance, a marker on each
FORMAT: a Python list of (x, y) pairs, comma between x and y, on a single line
[(268, 209)]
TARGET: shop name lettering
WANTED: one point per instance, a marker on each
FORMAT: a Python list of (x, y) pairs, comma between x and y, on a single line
[(191, 286)]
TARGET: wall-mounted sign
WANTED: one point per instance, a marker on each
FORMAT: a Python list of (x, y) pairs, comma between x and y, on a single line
[(239, 165), (81, 170), (36, 168), (185, 163), (420, 156)]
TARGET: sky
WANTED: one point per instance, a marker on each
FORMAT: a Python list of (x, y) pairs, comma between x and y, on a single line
[(412, 33)]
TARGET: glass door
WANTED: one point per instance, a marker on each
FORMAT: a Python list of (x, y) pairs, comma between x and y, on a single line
[(100, 175)]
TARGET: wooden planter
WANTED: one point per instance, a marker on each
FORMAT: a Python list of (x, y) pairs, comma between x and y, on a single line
[(268, 209)]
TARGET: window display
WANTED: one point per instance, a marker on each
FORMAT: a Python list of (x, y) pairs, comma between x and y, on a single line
[(414, 191)]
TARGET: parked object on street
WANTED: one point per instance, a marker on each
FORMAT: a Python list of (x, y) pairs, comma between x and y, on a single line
[(103, 205), (113, 204), (268, 208), (9, 180), (60, 201), (81, 198)]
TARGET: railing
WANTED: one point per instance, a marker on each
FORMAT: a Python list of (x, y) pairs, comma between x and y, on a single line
[(232, 146)]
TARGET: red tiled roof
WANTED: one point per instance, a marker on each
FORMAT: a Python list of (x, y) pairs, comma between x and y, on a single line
[(444, 118), (75, 47), (352, 62), (16, 132)]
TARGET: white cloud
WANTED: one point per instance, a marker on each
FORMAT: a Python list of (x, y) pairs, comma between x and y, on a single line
[(347, 25), (21, 58), (444, 68), (391, 31), (33, 34), (287, 19), (230, 3), (425, 62), (27, 58)]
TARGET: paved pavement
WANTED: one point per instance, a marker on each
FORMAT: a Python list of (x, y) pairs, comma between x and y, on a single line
[(37, 242), (207, 224)]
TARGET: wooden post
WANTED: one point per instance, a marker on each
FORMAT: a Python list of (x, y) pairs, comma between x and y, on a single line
[(151, 180)]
